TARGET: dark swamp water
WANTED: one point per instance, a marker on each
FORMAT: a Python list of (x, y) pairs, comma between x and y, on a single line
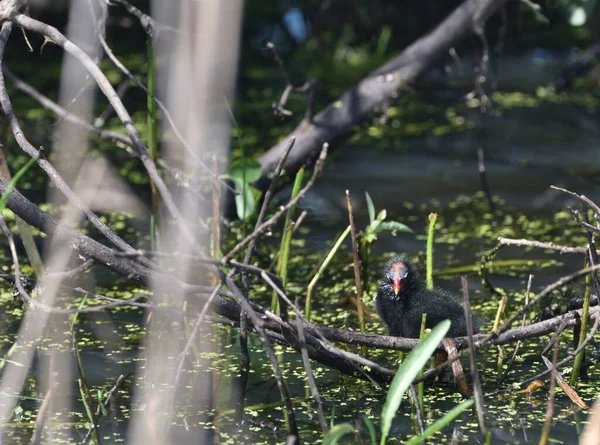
[(527, 149)]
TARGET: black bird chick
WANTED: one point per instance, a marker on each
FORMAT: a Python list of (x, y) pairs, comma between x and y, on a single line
[(403, 297)]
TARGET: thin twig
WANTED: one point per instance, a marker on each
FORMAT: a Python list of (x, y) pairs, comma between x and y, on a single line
[(550, 410), (357, 361), (357, 280), (417, 405), (486, 339), (477, 392), (540, 245), (264, 208), (166, 114), (258, 324), (310, 376), (518, 345), (105, 86), (48, 168), (107, 400), (73, 273), (582, 198), (567, 359), (245, 356)]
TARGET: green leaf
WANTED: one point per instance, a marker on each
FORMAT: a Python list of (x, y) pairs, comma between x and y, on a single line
[(383, 41), (337, 432), (321, 270), (395, 226), (374, 227), (88, 408), (245, 166), (407, 372), (370, 237), (441, 423), (370, 207), (371, 429), (13, 182), (245, 202), (101, 403), (381, 216)]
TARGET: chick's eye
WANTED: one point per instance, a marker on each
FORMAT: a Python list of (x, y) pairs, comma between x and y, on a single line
[(389, 277)]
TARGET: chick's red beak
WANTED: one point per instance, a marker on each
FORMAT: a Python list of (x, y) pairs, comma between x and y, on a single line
[(396, 284)]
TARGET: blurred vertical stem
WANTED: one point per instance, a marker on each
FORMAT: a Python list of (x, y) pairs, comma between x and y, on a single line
[(153, 143), (286, 241), (582, 332), (432, 221), (216, 234)]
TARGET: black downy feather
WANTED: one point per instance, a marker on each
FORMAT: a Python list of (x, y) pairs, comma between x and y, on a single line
[(402, 313)]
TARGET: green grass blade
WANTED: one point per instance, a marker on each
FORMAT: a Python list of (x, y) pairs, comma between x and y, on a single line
[(326, 262), (286, 239), (383, 41), (583, 330), (371, 429), (407, 372), (13, 182), (441, 423), (421, 385), (432, 220), (370, 207), (88, 408), (337, 432)]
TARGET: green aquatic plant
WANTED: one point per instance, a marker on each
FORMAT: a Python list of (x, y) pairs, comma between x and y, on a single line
[(286, 240), (377, 224), (407, 372), (432, 221), (13, 182), (152, 121), (321, 270), (243, 172)]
